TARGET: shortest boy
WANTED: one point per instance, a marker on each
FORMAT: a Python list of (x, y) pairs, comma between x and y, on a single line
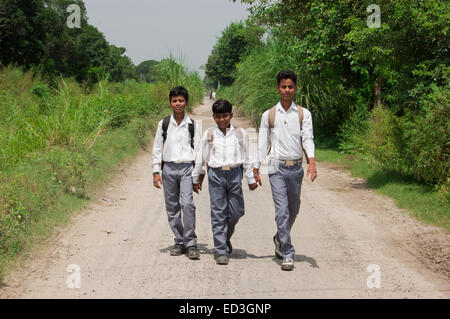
[(226, 155)]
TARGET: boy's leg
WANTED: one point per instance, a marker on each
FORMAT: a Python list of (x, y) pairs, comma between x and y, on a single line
[(218, 198), (279, 188), (171, 185), (187, 206), (235, 200), (294, 184)]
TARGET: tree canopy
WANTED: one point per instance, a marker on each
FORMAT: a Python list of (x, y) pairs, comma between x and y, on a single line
[(236, 41), (34, 34)]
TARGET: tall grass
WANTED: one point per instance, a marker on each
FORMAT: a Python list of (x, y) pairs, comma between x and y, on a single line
[(254, 89), (57, 142), (390, 149), (172, 72)]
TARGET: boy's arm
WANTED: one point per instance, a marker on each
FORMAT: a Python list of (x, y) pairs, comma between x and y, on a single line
[(307, 134), (248, 165), (157, 149), (308, 143), (263, 144), (199, 168), (263, 140)]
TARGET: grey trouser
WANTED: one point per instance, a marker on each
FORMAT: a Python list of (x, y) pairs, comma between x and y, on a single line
[(286, 184), (227, 204), (177, 183)]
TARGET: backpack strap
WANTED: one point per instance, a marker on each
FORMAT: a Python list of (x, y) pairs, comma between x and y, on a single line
[(272, 113), (165, 127)]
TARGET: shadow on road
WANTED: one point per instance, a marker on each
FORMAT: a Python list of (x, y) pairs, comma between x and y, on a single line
[(202, 248), (242, 254)]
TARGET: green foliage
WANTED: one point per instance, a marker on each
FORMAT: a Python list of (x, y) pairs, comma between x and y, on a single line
[(34, 35), (254, 89), (384, 91), (236, 41), (68, 170), (416, 144), (58, 141), (172, 73), (146, 70)]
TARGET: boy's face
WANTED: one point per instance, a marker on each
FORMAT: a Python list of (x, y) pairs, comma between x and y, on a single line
[(287, 89), (178, 104), (223, 120)]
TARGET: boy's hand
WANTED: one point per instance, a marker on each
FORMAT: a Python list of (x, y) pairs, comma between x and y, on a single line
[(157, 181), (312, 169), (257, 176), (253, 186), (198, 186)]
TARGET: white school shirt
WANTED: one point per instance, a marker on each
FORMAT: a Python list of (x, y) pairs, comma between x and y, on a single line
[(177, 147), (285, 137), (224, 151)]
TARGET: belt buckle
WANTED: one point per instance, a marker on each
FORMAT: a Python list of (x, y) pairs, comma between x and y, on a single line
[(226, 168), (290, 163)]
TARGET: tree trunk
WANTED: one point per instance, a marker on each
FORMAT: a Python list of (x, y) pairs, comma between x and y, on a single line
[(377, 91)]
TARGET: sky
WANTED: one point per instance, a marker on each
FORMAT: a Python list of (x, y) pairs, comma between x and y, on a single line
[(152, 29)]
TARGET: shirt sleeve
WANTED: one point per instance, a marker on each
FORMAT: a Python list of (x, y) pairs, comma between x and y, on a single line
[(263, 139), (248, 166), (200, 165), (307, 134), (157, 149)]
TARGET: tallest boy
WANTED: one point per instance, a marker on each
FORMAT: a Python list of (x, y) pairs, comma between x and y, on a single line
[(287, 131)]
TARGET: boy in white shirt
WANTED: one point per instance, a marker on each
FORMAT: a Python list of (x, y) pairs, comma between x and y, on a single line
[(226, 155), (287, 130), (176, 148)]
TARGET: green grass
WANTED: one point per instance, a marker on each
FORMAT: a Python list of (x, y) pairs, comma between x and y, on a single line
[(421, 201), (58, 145)]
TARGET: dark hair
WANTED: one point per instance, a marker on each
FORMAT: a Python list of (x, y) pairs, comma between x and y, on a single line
[(287, 74), (179, 90), (222, 106)]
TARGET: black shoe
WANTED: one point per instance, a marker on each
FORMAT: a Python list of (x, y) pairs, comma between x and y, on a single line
[(222, 260), (193, 253), (229, 247), (177, 250), (277, 247)]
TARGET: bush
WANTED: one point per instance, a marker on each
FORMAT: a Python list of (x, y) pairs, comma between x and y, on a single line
[(426, 138), (382, 141), (415, 144)]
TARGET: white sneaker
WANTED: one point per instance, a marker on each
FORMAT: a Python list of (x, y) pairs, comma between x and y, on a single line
[(288, 264)]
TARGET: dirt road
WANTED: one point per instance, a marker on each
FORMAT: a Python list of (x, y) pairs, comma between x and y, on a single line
[(120, 244)]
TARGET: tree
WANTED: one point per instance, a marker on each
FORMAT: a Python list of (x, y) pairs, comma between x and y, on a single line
[(236, 41), (34, 34), (146, 70)]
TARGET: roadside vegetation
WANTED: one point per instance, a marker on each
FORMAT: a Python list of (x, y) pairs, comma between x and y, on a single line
[(59, 143), (379, 96)]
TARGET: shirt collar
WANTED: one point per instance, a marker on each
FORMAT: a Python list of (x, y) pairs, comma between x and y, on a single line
[(186, 119), (292, 107), (231, 129)]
